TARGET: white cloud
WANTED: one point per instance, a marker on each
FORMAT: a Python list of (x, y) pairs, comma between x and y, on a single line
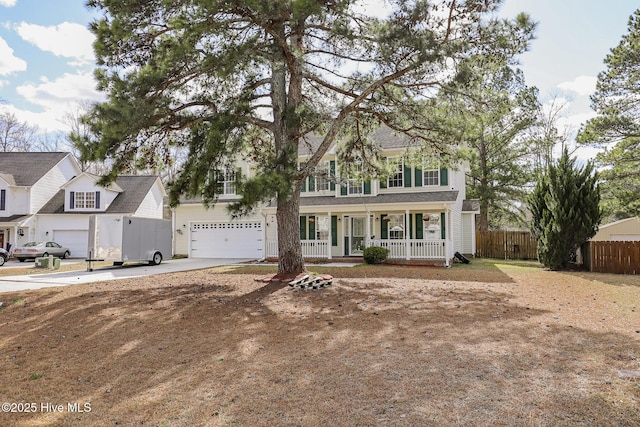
[(8, 3), (67, 40), (56, 97), (9, 63), (582, 85)]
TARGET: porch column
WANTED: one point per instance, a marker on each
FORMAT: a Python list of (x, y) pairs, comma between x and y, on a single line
[(329, 236), (367, 231), (447, 234), (407, 227)]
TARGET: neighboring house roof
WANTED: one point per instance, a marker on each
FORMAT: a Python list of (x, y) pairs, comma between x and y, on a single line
[(422, 197), (27, 168), (134, 190), (112, 186), (471, 205), (621, 221), (13, 218)]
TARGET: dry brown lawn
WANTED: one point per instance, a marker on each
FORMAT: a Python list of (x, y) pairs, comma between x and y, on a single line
[(479, 345)]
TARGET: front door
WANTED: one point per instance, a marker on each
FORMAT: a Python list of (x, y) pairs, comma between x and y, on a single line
[(357, 235)]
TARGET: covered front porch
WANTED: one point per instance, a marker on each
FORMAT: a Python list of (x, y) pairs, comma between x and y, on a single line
[(411, 232)]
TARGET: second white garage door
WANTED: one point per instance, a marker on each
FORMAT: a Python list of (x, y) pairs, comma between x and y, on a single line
[(76, 240), (226, 239)]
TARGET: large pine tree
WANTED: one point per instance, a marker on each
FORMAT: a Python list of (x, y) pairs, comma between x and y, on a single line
[(617, 124), (565, 209), (224, 78)]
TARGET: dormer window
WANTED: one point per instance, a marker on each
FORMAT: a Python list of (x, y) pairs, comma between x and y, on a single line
[(84, 200)]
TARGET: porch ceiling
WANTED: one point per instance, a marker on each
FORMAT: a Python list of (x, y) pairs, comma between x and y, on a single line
[(381, 201)]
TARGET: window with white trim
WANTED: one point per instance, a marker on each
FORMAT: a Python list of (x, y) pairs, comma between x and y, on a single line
[(396, 226), (430, 172), (84, 200), (322, 227), (398, 179), (323, 174), (226, 181)]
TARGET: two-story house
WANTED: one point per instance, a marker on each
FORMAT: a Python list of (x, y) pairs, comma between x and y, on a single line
[(27, 182), (419, 213), (65, 217), (46, 197)]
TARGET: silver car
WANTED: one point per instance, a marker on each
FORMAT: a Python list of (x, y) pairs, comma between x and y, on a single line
[(40, 249)]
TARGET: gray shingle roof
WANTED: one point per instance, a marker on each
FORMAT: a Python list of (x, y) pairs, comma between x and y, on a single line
[(384, 137), (422, 197), (27, 168), (470, 205), (135, 188), (13, 218)]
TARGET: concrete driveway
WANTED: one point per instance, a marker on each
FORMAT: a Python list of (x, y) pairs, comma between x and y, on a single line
[(45, 280)]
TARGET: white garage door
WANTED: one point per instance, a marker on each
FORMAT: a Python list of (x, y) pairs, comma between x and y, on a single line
[(226, 239), (76, 240)]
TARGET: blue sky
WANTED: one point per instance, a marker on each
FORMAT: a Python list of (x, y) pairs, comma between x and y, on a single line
[(46, 58)]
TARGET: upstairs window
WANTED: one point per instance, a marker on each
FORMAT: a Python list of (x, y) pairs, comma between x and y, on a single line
[(226, 181), (398, 179), (323, 182), (84, 200), (430, 172)]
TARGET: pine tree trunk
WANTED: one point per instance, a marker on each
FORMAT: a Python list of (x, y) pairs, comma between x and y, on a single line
[(290, 260)]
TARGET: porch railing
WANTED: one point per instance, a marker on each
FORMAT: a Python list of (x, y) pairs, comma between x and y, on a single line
[(418, 249), (310, 249)]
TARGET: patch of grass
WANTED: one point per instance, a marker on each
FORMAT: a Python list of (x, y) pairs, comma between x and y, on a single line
[(18, 301), (36, 376), (21, 362)]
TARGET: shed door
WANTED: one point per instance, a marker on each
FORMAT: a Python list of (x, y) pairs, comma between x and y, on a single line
[(226, 240), (76, 240)]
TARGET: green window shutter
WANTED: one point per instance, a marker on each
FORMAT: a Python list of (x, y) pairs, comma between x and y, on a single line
[(332, 172), (407, 176), (444, 176), (367, 187), (343, 190), (419, 227), (383, 182), (410, 226), (334, 230), (303, 228), (443, 231), (312, 228), (312, 184), (418, 177), (384, 227), (238, 179)]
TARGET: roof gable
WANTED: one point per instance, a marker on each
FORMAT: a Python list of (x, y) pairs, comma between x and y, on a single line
[(27, 168), (133, 191)]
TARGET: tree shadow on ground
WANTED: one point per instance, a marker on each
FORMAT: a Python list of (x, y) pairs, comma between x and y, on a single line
[(362, 352)]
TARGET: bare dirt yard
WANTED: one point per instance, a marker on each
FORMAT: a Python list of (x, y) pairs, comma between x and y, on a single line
[(485, 344)]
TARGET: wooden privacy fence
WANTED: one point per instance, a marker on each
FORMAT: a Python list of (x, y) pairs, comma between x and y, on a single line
[(506, 244), (614, 257)]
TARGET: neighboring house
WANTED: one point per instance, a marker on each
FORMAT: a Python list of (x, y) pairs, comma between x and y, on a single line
[(624, 230), (65, 218), (420, 213), (46, 196), (27, 183)]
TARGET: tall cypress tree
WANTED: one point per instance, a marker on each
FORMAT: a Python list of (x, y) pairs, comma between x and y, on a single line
[(565, 208)]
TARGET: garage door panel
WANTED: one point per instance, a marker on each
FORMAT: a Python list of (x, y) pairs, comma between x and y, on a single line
[(76, 240), (226, 239)]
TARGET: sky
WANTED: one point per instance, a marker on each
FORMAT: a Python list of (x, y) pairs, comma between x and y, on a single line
[(46, 55)]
